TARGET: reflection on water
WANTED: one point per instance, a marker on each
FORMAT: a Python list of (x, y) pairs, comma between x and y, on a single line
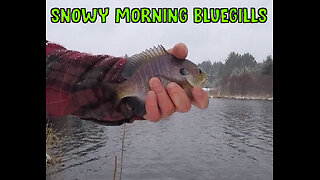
[(231, 139)]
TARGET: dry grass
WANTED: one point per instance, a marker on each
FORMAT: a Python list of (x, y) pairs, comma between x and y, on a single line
[(51, 140)]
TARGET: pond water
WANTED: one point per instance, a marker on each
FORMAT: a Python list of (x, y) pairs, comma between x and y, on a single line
[(231, 139)]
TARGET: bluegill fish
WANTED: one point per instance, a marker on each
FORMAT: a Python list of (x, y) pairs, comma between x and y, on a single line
[(154, 62)]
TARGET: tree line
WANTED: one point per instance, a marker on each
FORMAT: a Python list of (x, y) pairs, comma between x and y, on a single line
[(240, 75)]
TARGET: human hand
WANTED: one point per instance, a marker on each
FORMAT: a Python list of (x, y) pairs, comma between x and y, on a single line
[(161, 102)]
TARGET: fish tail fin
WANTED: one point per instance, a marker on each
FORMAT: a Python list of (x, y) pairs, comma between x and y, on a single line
[(119, 93), (122, 92), (115, 93), (112, 92)]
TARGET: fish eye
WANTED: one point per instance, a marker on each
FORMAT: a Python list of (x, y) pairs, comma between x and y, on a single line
[(199, 71), (183, 72)]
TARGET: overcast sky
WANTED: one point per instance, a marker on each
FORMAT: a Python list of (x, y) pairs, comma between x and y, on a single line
[(212, 41)]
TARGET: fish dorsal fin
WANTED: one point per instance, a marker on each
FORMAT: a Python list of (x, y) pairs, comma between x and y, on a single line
[(136, 61)]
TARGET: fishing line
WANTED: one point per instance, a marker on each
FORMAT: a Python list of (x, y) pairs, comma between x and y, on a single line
[(123, 136), (115, 168)]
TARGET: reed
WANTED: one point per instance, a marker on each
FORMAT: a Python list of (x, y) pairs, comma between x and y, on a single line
[(51, 139)]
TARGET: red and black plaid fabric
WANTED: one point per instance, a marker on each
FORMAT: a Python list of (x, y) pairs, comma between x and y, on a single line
[(73, 85)]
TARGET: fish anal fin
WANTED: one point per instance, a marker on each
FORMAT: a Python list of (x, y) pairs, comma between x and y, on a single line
[(136, 105)]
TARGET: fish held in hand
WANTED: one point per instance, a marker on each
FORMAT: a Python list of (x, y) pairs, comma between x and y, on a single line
[(154, 62)]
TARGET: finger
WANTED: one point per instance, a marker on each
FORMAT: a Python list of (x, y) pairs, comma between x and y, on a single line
[(151, 105), (164, 102), (200, 97), (179, 50), (178, 97)]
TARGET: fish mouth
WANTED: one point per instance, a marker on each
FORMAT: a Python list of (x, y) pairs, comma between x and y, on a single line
[(204, 80)]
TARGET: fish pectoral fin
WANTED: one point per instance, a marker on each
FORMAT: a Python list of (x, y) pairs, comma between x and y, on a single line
[(136, 105)]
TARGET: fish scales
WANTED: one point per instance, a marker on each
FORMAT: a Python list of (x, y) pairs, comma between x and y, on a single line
[(155, 62)]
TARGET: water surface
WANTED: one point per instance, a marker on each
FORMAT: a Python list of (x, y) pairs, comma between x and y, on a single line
[(231, 139)]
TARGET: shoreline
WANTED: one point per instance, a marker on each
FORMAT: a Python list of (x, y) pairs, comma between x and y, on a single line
[(242, 97), (215, 93)]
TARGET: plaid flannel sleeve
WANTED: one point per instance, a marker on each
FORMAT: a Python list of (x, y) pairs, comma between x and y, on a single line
[(66, 69)]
